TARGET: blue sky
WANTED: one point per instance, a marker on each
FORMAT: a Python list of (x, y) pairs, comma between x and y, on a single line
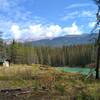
[(39, 19)]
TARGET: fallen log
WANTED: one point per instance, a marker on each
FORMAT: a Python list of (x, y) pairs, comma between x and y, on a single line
[(10, 90), (23, 93)]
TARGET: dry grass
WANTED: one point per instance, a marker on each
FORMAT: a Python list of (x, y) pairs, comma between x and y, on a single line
[(18, 71), (49, 80)]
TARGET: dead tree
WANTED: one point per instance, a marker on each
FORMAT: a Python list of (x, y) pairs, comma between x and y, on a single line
[(98, 56), (97, 2)]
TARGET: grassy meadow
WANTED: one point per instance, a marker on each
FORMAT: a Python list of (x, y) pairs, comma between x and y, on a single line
[(48, 83)]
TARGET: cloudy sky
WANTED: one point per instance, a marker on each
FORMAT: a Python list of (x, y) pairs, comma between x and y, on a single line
[(39, 19)]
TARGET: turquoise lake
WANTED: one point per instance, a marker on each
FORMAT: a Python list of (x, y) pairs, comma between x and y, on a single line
[(84, 71)]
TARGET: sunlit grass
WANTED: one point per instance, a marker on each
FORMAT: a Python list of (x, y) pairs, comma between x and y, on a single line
[(18, 71), (41, 77)]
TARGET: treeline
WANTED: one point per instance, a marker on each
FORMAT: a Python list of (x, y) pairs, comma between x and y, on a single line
[(79, 55)]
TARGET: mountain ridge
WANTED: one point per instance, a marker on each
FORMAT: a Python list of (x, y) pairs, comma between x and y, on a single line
[(66, 40)]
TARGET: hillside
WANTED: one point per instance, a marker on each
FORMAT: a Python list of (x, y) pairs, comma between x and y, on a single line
[(66, 40)]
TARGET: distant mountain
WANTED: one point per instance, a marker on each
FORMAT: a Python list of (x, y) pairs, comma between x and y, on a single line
[(66, 40)]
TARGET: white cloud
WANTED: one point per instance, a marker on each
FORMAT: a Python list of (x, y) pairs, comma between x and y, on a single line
[(78, 5), (87, 14), (36, 29), (16, 32), (53, 31), (92, 24), (10, 5), (79, 14), (4, 5), (40, 31), (14, 10), (73, 30), (71, 15)]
